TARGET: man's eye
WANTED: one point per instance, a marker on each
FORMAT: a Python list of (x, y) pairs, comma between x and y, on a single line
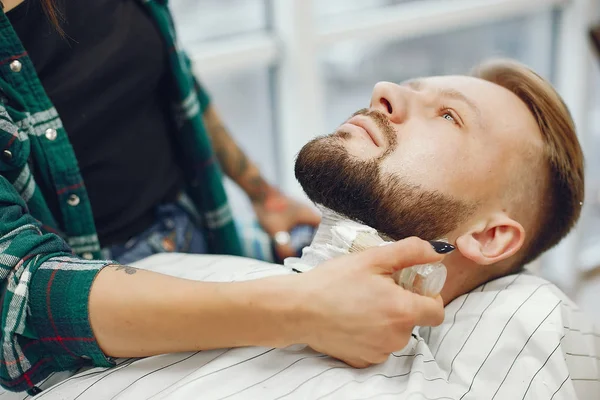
[(449, 117)]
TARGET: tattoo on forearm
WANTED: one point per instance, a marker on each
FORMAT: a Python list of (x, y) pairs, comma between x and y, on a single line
[(242, 166), (233, 160), (259, 190), (221, 154), (230, 156), (125, 268)]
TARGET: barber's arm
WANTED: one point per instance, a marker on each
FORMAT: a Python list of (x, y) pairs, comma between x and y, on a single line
[(349, 308)]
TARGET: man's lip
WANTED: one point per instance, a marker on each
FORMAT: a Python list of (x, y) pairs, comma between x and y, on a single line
[(367, 124)]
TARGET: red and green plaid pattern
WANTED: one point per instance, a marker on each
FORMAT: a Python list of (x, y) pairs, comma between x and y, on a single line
[(48, 262)]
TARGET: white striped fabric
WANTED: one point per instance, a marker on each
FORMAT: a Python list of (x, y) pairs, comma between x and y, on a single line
[(517, 337)]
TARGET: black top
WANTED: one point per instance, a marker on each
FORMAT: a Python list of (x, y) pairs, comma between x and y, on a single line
[(106, 80)]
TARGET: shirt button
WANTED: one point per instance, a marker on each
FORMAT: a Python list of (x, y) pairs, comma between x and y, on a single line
[(16, 66), (7, 155), (73, 200), (88, 256), (51, 134)]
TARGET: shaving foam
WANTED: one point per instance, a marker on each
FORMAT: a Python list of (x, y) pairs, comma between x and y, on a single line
[(337, 236)]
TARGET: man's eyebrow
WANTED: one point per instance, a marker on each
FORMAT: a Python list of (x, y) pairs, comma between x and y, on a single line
[(418, 84)]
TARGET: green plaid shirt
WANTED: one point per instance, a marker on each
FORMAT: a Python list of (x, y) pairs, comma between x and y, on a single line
[(47, 269)]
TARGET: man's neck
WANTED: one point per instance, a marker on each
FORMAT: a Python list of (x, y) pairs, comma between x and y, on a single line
[(464, 276), (10, 4)]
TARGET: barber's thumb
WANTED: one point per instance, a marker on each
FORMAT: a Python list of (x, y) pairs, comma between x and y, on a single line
[(406, 253)]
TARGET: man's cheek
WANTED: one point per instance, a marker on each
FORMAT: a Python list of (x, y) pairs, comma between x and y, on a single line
[(416, 160)]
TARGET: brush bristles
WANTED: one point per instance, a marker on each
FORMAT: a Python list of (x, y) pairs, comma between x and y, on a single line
[(364, 241)]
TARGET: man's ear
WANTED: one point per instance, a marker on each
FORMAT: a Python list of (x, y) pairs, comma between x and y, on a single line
[(488, 243)]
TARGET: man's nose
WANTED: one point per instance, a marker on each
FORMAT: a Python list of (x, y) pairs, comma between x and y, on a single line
[(390, 99)]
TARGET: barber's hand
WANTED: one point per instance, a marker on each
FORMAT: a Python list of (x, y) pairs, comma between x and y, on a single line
[(356, 311), (279, 213)]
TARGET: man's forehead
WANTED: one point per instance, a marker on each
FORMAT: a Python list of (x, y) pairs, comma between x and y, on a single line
[(469, 84), (488, 96), (501, 109)]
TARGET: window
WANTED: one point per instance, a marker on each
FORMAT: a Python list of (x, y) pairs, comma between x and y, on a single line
[(330, 8), (351, 69), (588, 284), (590, 221), (202, 20), (587, 292)]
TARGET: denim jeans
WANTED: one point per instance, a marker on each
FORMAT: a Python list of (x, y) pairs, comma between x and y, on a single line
[(175, 230)]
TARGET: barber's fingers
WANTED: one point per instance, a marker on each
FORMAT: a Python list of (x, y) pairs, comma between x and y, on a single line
[(284, 251), (399, 255), (426, 311)]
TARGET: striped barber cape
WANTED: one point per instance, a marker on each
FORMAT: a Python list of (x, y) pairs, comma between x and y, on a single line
[(517, 337)]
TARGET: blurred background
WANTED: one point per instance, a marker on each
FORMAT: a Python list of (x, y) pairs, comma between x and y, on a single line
[(283, 71)]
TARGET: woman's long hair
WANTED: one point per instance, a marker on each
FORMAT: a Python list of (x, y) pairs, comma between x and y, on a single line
[(53, 13)]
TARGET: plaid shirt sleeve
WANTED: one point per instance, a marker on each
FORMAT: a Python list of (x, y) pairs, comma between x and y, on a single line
[(203, 96), (45, 293)]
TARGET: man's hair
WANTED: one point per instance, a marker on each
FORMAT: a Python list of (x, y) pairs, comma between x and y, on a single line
[(561, 194)]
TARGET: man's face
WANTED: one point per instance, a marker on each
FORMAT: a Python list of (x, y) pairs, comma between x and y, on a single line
[(425, 157)]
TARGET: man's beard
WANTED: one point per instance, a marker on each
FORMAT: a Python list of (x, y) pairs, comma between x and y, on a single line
[(332, 177)]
